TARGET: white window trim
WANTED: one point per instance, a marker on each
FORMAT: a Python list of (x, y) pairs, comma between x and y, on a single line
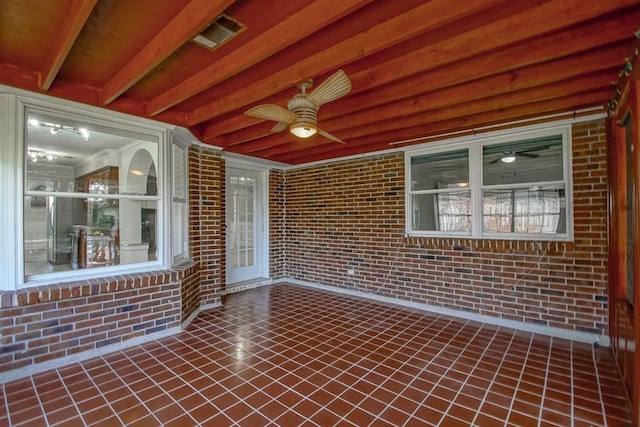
[(13, 105), (180, 140), (475, 145), (255, 165)]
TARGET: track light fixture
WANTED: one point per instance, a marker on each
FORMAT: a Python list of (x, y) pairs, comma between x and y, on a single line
[(55, 128), (38, 156)]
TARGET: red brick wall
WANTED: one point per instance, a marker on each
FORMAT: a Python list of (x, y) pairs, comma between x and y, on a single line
[(277, 211), (43, 323), (190, 294), (207, 220), (350, 215), (49, 322)]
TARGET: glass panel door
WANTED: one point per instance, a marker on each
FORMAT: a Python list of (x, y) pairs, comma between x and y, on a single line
[(244, 225)]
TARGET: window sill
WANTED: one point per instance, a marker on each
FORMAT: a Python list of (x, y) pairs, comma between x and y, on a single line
[(507, 246), (550, 238)]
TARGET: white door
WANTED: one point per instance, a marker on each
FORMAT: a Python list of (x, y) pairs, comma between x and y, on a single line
[(245, 225)]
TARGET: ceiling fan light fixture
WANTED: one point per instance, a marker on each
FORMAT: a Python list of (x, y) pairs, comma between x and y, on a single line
[(510, 158), (303, 130), (301, 114)]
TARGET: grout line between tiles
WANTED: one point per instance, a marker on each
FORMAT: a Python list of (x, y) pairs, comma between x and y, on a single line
[(504, 356), (449, 368), (602, 406), (546, 379), (390, 356), (515, 391), (495, 332), (33, 385)]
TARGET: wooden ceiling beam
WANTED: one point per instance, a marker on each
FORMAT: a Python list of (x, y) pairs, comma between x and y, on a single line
[(428, 16), (394, 139), (68, 30), (312, 18), (543, 19), (532, 76), (540, 93), (185, 25), (20, 77), (537, 75), (583, 39), (547, 17), (555, 45), (501, 102)]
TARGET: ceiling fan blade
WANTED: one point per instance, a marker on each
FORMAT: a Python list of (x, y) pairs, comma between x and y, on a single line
[(331, 89), (280, 126), (329, 136), (495, 160), (272, 112), (526, 154)]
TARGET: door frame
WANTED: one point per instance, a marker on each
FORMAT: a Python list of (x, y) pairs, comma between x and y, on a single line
[(624, 319), (261, 243)]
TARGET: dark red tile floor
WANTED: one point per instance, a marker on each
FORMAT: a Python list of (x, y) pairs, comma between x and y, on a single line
[(287, 355)]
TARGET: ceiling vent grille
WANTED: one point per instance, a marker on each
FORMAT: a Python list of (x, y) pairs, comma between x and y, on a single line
[(223, 29)]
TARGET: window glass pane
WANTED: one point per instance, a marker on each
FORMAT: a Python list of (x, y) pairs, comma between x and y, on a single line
[(241, 221), (74, 231), (446, 211), (178, 229), (440, 171), (524, 210), (69, 233), (534, 160), (179, 178), (65, 155)]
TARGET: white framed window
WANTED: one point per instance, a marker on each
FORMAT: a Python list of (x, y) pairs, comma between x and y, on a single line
[(508, 186), (179, 207), (90, 192)]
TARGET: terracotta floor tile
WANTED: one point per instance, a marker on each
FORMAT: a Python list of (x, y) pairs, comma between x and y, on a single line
[(453, 422), (109, 421), (96, 415), (323, 417), (556, 418), (26, 417), (254, 419), (71, 422), (239, 411), (148, 420), (313, 357), (518, 419), (273, 410), (468, 401), (61, 415), (132, 414), (168, 413)]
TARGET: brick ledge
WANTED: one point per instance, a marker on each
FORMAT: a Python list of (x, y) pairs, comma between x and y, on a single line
[(80, 288)]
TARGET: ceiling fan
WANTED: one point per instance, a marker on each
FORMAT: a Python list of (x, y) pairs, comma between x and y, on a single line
[(301, 115), (510, 156)]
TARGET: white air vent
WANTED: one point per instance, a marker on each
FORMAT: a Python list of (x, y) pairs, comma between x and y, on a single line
[(223, 29)]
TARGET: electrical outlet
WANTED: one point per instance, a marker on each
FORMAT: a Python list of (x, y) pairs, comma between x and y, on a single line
[(350, 272)]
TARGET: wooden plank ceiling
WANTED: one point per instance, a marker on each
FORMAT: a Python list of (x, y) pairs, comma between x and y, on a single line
[(418, 68)]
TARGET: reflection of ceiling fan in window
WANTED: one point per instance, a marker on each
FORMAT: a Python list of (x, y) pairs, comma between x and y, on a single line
[(510, 156)]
